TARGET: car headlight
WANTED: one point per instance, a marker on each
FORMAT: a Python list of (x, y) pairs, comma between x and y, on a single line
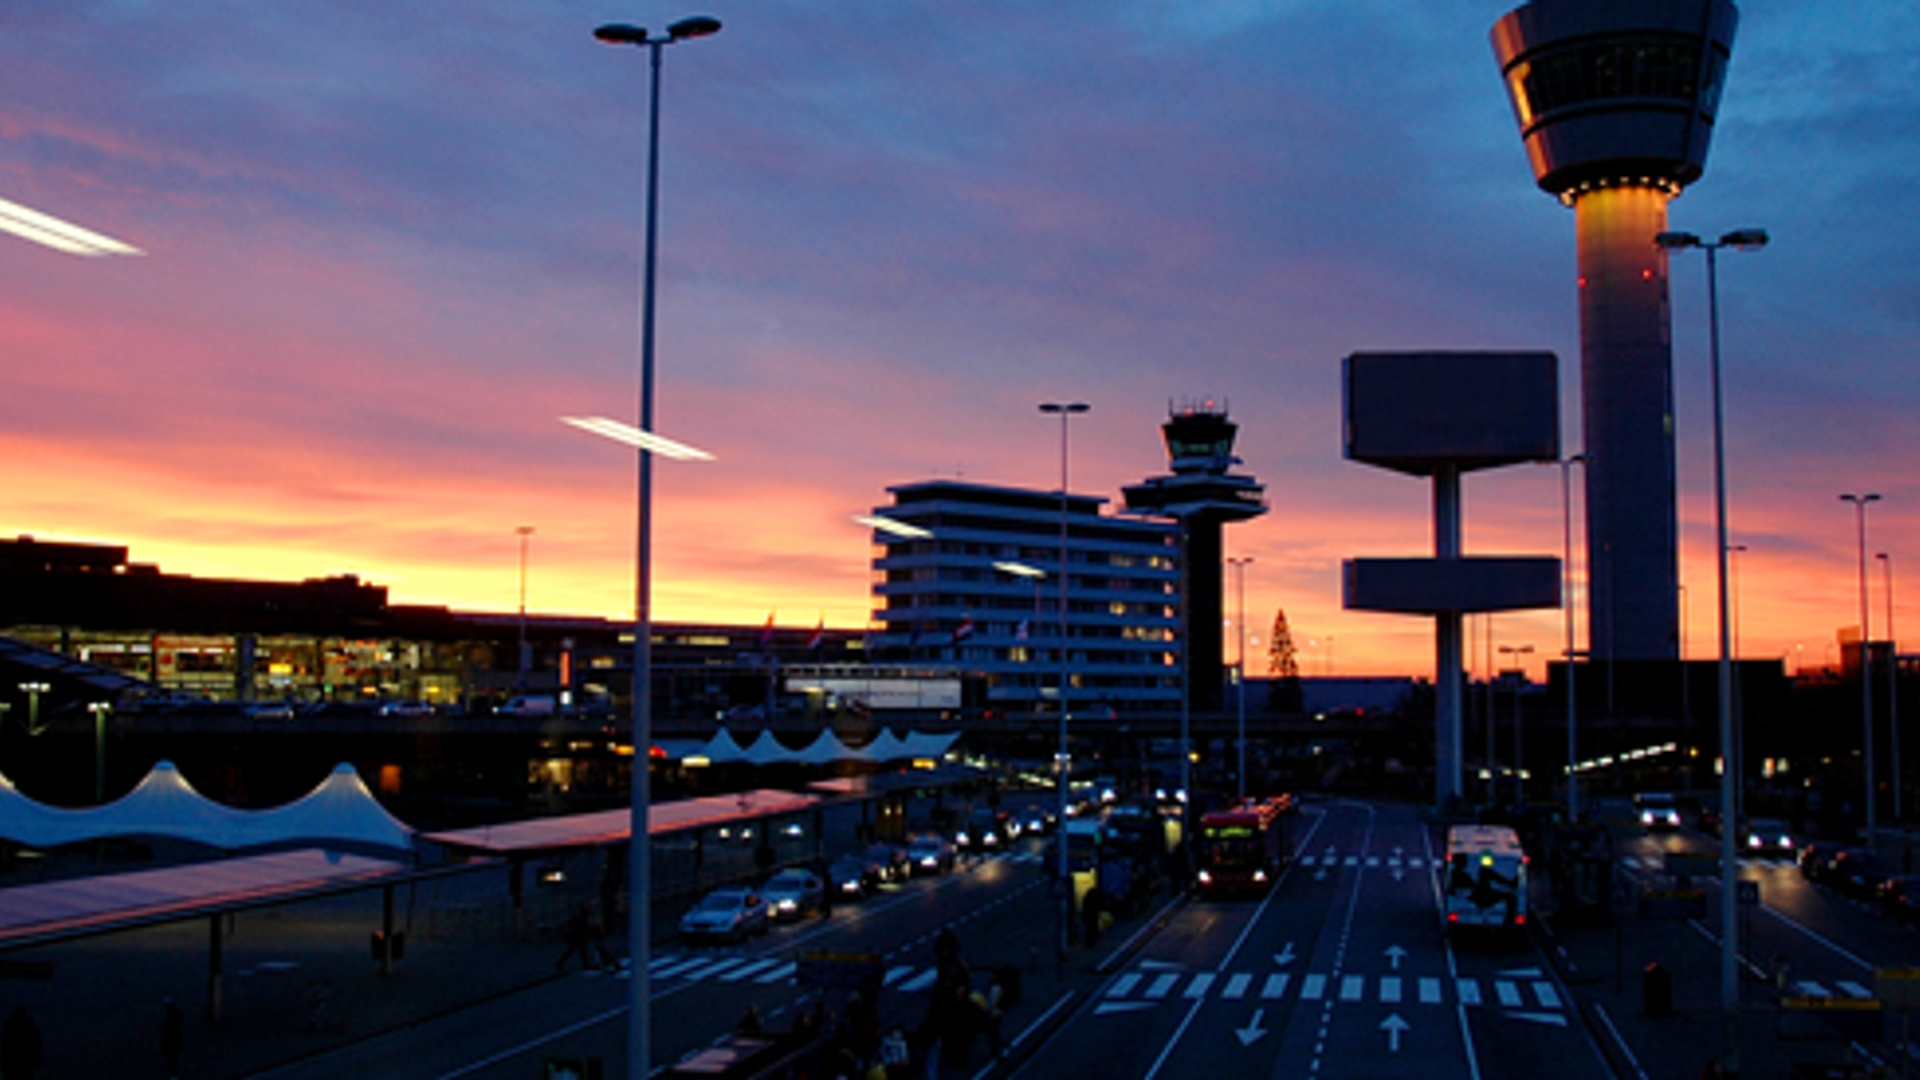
[(1205, 877)]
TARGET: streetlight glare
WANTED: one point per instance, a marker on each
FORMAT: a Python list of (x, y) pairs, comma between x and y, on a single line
[(1019, 569), (49, 231), (894, 528), (633, 436)]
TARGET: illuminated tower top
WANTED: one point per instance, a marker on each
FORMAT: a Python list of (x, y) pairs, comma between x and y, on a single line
[(1616, 91)]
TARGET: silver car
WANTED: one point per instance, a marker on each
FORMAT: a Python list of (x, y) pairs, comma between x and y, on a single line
[(725, 915)]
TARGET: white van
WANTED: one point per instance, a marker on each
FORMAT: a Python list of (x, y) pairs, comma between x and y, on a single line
[(1485, 878)]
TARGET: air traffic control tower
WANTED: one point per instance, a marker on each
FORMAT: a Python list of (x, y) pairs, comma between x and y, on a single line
[(1616, 101), (1203, 496)]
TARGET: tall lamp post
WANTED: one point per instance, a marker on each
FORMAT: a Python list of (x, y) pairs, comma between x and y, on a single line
[(1239, 566), (523, 531), (1740, 240), (1734, 551), (1065, 410), (1566, 606), (1866, 660), (1893, 687), (639, 895)]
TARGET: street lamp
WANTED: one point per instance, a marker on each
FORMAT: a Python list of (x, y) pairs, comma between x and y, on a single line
[(1740, 240), (99, 709), (1893, 686), (33, 690), (1239, 566), (1519, 742), (1566, 605), (524, 531), (1866, 659), (1734, 552), (1065, 410), (639, 1041)]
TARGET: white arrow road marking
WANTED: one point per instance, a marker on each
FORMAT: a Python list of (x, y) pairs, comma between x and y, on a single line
[(1395, 954), (1394, 1027), (1108, 1007), (1285, 955), (1551, 1019), (1253, 1030)]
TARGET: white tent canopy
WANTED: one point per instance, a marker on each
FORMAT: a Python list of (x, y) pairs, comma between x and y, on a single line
[(825, 749), (341, 809)]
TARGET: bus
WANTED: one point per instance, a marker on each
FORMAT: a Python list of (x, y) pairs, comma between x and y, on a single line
[(1244, 847), (1485, 879)]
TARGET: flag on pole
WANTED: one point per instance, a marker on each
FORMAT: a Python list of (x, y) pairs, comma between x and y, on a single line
[(1020, 632), (964, 630), (819, 633), (766, 633)]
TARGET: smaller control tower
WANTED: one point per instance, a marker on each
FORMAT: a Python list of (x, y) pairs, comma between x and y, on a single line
[(1203, 496)]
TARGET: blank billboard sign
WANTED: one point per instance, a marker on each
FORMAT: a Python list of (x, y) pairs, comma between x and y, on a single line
[(1413, 411)]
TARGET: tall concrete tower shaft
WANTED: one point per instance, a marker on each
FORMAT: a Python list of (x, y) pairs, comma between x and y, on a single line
[(1616, 102)]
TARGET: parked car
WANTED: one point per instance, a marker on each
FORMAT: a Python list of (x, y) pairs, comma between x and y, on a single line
[(852, 876), (1900, 898), (1858, 872), (929, 855), (729, 914), (891, 859), (405, 708), (793, 894), (1658, 810), (1768, 836)]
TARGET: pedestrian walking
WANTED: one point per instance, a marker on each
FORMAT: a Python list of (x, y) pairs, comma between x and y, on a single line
[(21, 1052), (579, 934), (173, 1037)]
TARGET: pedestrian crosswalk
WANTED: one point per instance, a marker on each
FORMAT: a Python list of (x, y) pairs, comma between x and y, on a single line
[(1335, 860)]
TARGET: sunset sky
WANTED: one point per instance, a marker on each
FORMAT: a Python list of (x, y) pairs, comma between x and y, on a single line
[(388, 246)]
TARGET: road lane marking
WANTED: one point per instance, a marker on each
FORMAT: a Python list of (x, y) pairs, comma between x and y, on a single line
[(1162, 986), (1199, 986), (1353, 987), (1313, 987), (894, 975), (1509, 994), (1813, 989), (1236, 987), (920, 982), (1854, 989), (746, 970), (1124, 985), (1429, 991), (784, 971), (1275, 987), (1469, 991), (1390, 990), (1549, 997)]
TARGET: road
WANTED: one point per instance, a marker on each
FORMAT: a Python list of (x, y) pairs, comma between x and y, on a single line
[(1342, 971)]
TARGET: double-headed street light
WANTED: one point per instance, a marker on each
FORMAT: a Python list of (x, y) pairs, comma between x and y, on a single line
[(1065, 410), (1866, 661), (639, 1036), (1740, 240)]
